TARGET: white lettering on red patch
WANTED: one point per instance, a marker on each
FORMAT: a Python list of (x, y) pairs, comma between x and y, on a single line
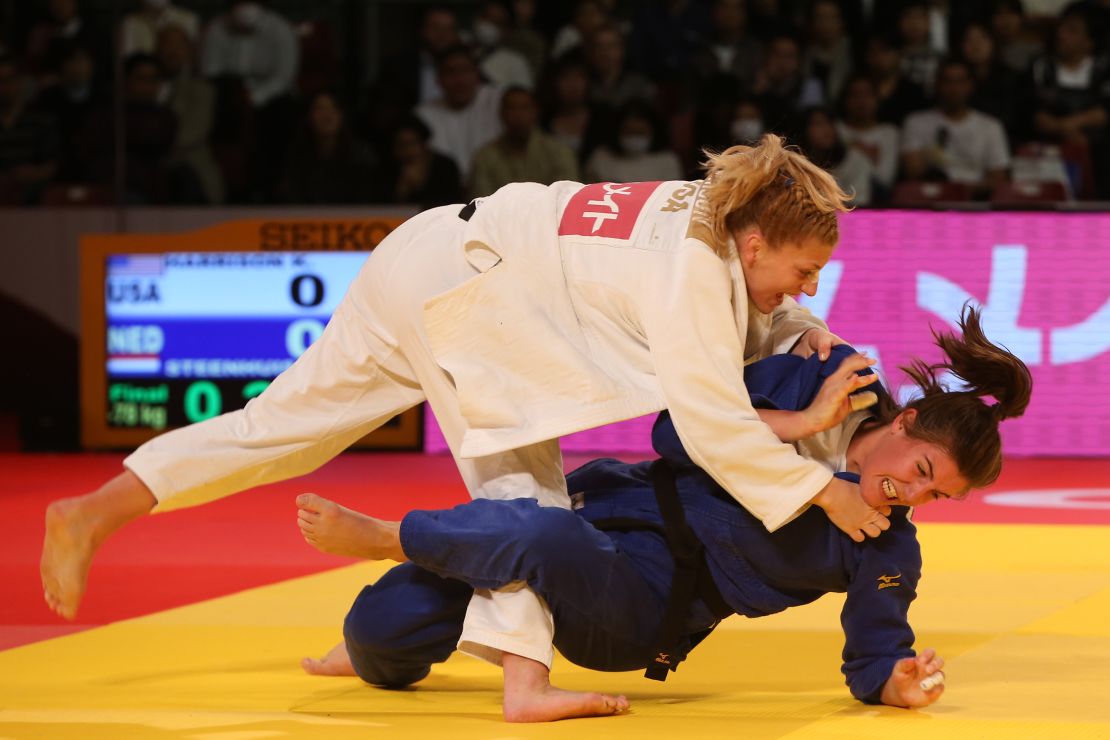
[(606, 209)]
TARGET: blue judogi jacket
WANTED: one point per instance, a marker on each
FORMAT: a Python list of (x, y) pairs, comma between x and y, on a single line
[(759, 572)]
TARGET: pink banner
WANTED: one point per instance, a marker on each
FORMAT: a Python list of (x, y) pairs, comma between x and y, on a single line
[(1040, 279)]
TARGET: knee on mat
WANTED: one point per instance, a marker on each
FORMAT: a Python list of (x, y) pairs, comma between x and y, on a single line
[(378, 667)]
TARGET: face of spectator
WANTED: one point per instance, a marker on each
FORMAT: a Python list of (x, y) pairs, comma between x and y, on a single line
[(439, 31), (10, 86), (572, 86), (978, 46), (525, 11), (730, 17), (408, 145), (62, 11), (820, 132), (77, 68), (244, 17), (954, 87), (882, 59), (1006, 24), (914, 26), (142, 84), (606, 52), (588, 17), (325, 117), (828, 26), (519, 114), (1073, 41), (491, 24), (861, 104), (636, 134), (747, 123), (458, 76), (174, 50), (782, 62)]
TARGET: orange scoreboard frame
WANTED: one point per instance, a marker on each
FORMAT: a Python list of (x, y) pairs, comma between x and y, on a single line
[(297, 236)]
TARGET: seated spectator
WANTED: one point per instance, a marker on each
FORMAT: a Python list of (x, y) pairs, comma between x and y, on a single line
[(823, 145), (415, 173), (571, 116), (860, 129), (501, 66), (255, 45), (1017, 46), (328, 164), (522, 153), (525, 40), (467, 117), (919, 57), (731, 52), (782, 87), (828, 57), (898, 97), (636, 150), (259, 47), (140, 28), (746, 126), (63, 26), (612, 83), (1072, 84), (150, 130), (589, 16), (998, 89), (410, 76), (78, 92), (193, 101), (952, 141), (28, 141)]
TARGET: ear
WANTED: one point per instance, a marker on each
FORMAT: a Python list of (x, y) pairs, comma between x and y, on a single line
[(903, 420), (750, 244)]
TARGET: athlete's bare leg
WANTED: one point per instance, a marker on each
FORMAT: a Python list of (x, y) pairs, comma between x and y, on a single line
[(75, 530), (336, 663), (335, 529)]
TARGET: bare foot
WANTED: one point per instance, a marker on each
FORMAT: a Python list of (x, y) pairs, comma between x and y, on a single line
[(530, 697), (336, 663), (75, 529), (67, 552), (335, 529)]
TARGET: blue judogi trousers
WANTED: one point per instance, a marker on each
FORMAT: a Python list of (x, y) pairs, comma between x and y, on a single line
[(606, 590)]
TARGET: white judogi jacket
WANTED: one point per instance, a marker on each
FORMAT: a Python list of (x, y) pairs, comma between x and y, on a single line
[(604, 302)]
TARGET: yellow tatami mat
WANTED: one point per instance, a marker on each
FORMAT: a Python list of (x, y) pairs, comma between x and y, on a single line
[(1021, 613)]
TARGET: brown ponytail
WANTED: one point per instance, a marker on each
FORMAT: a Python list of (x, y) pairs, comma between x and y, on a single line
[(960, 421), (788, 197)]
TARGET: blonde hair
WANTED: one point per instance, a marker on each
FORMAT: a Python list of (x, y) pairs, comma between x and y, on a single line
[(770, 186)]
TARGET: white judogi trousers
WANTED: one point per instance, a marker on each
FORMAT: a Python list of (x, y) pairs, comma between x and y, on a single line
[(372, 362)]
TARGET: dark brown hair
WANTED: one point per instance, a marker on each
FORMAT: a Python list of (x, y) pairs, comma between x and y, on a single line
[(960, 421)]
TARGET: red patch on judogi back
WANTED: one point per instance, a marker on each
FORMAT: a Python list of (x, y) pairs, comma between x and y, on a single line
[(606, 209)]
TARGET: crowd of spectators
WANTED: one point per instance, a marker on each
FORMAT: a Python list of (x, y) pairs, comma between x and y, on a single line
[(902, 100)]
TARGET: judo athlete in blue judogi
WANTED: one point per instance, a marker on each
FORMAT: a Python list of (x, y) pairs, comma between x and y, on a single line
[(633, 584)]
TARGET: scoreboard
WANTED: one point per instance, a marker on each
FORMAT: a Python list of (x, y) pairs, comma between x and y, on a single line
[(178, 336)]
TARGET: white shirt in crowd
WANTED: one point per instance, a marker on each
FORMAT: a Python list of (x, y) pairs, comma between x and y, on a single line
[(266, 59), (139, 32), (461, 133), (967, 149), (879, 143), (605, 166)]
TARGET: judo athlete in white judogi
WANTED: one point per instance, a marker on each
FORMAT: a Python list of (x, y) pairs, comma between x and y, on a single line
[(533, 313)]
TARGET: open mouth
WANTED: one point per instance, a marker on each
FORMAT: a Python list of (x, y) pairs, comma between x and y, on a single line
[(888, 490)]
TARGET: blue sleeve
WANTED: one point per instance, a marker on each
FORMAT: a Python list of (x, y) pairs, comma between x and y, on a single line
[(877, 632)]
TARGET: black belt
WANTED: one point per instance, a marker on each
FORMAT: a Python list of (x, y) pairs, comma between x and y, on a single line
[(691, 578), (468, 210)]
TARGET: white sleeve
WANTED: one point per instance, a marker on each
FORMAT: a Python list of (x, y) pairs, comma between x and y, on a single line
[(998, 148), (698, 353), (916, 134)]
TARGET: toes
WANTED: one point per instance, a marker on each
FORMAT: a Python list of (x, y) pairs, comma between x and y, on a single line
[(309, 501)]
